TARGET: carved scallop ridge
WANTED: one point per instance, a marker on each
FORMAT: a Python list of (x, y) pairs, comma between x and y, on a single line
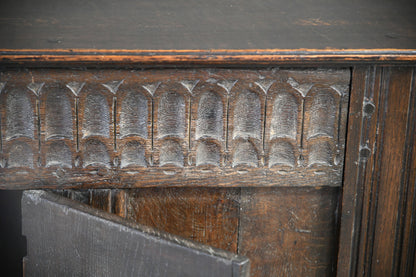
[(20, 115), (171, 153), (247, 116), (282, 153), (210, 116), (58, 116), (95, 153), (133, 154), (171, 115), (208, 153), (245, 153), (284, 121), (96, 121), (20, 155), (133, 115), (323, 113), (58, 154), (320, 153)]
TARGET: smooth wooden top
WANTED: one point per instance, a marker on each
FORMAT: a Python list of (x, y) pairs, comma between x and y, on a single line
[(206, 25)]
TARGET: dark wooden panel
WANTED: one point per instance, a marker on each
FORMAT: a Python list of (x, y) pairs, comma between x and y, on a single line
[(289, 231), (219, 127), (66, 238), (205, 215), (377, 233), (218, 24)]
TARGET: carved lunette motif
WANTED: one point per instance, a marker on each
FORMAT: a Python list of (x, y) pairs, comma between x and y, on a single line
[(58, 125), (187, 122), (20, 113)]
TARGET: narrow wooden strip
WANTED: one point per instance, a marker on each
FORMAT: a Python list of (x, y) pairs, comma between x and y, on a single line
[(350, 216), (409, 214), (277, 51), (103, 178), (401, 243), (207, 57), (372, 111), (119, 201), (157, 60)]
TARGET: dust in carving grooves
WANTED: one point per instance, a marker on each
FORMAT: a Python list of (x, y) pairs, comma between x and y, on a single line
[(271, 127)]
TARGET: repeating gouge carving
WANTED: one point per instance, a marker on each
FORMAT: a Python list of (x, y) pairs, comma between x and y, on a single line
[(279, 124)]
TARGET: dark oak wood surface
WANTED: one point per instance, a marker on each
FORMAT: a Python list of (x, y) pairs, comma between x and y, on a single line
[(378, 194), (208, 216), (289, 231), (377, 224), (217, 24)]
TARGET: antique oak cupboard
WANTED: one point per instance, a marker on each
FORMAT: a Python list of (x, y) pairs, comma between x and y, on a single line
[(280, 131)]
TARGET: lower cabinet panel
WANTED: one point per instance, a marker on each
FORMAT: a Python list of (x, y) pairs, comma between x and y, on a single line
[(283, 231), (209, 216), (289, 231)]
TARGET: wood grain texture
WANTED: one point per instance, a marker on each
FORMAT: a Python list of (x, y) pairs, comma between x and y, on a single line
[(408, 220), (208, 216), (289, 231), (101, 199), (197, 24), (378, 199), (110, 246), (224, 127)]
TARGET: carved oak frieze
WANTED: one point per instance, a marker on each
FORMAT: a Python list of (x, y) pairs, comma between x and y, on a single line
[(229, 127)]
